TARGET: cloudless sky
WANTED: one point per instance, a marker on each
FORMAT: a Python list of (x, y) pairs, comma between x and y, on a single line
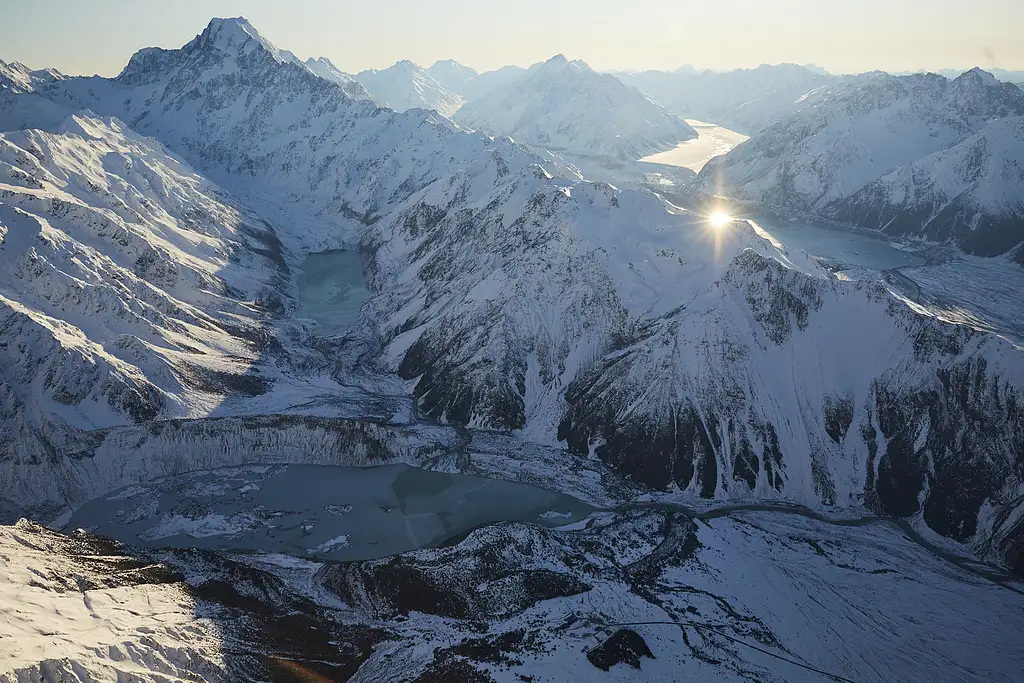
[(98, 36)]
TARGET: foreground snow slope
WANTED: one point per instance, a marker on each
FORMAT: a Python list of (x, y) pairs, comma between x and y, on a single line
[(566, 106), (756, 595), (76, 609)]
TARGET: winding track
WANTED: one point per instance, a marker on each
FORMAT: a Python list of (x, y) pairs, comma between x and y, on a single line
[(980, 569)]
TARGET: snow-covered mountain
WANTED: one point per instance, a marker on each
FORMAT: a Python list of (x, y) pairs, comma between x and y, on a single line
[(20, 105), (769, 361), (406, 85), (324, 68), (745, 100), (487, 81), (467, 83), (130, 287), (566, 106), (843, 137), (1005, 75), (508, 292), (972, 193), (452, 75)]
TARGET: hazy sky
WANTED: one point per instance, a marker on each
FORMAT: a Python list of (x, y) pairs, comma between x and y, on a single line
[(98, 36)]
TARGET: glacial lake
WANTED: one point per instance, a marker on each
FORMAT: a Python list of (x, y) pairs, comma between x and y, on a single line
[(331, 290), (850, 248), (710, 142), (317, 511)]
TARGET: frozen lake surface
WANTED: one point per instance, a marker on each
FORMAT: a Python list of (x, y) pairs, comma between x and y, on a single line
[(711, 141), (332, 290), (848, 248), (983, 293), (318, 511)]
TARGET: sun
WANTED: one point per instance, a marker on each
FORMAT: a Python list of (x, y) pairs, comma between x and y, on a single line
[(719, 219)]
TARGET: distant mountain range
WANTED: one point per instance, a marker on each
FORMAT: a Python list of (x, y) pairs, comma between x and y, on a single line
[(516, 295), (406, 85), (745, 100)]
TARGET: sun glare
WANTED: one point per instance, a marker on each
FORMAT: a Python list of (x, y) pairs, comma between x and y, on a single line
[(719, 219)]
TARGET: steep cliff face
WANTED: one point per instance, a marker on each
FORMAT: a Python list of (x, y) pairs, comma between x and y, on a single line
[(781, 384)]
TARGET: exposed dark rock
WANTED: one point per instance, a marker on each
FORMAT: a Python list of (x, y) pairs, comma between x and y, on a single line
[(456, 663), (778, 297), (222, 382), (838, 416), (625, 646), (490, 582)]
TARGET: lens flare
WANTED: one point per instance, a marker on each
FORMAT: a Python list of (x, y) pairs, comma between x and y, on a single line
[(719, 220)]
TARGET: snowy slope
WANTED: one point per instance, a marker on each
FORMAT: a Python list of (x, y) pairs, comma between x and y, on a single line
[(130, 287), (774, 380), (76, 609), (20, 105), (452, 75), (566, 106), (766, 596), (842, 137), (971, 193), (745, 100), (406, 85), (487, 81), (324, 68)]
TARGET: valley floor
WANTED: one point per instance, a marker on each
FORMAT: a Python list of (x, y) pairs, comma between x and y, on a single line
[(742, 595)]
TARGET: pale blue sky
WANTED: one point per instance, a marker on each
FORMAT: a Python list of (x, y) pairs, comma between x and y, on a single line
[(98, 36)]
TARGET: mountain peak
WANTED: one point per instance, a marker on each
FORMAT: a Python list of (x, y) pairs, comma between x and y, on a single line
[(558, 64), (232, 31), (979, 76), (237, 35)]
